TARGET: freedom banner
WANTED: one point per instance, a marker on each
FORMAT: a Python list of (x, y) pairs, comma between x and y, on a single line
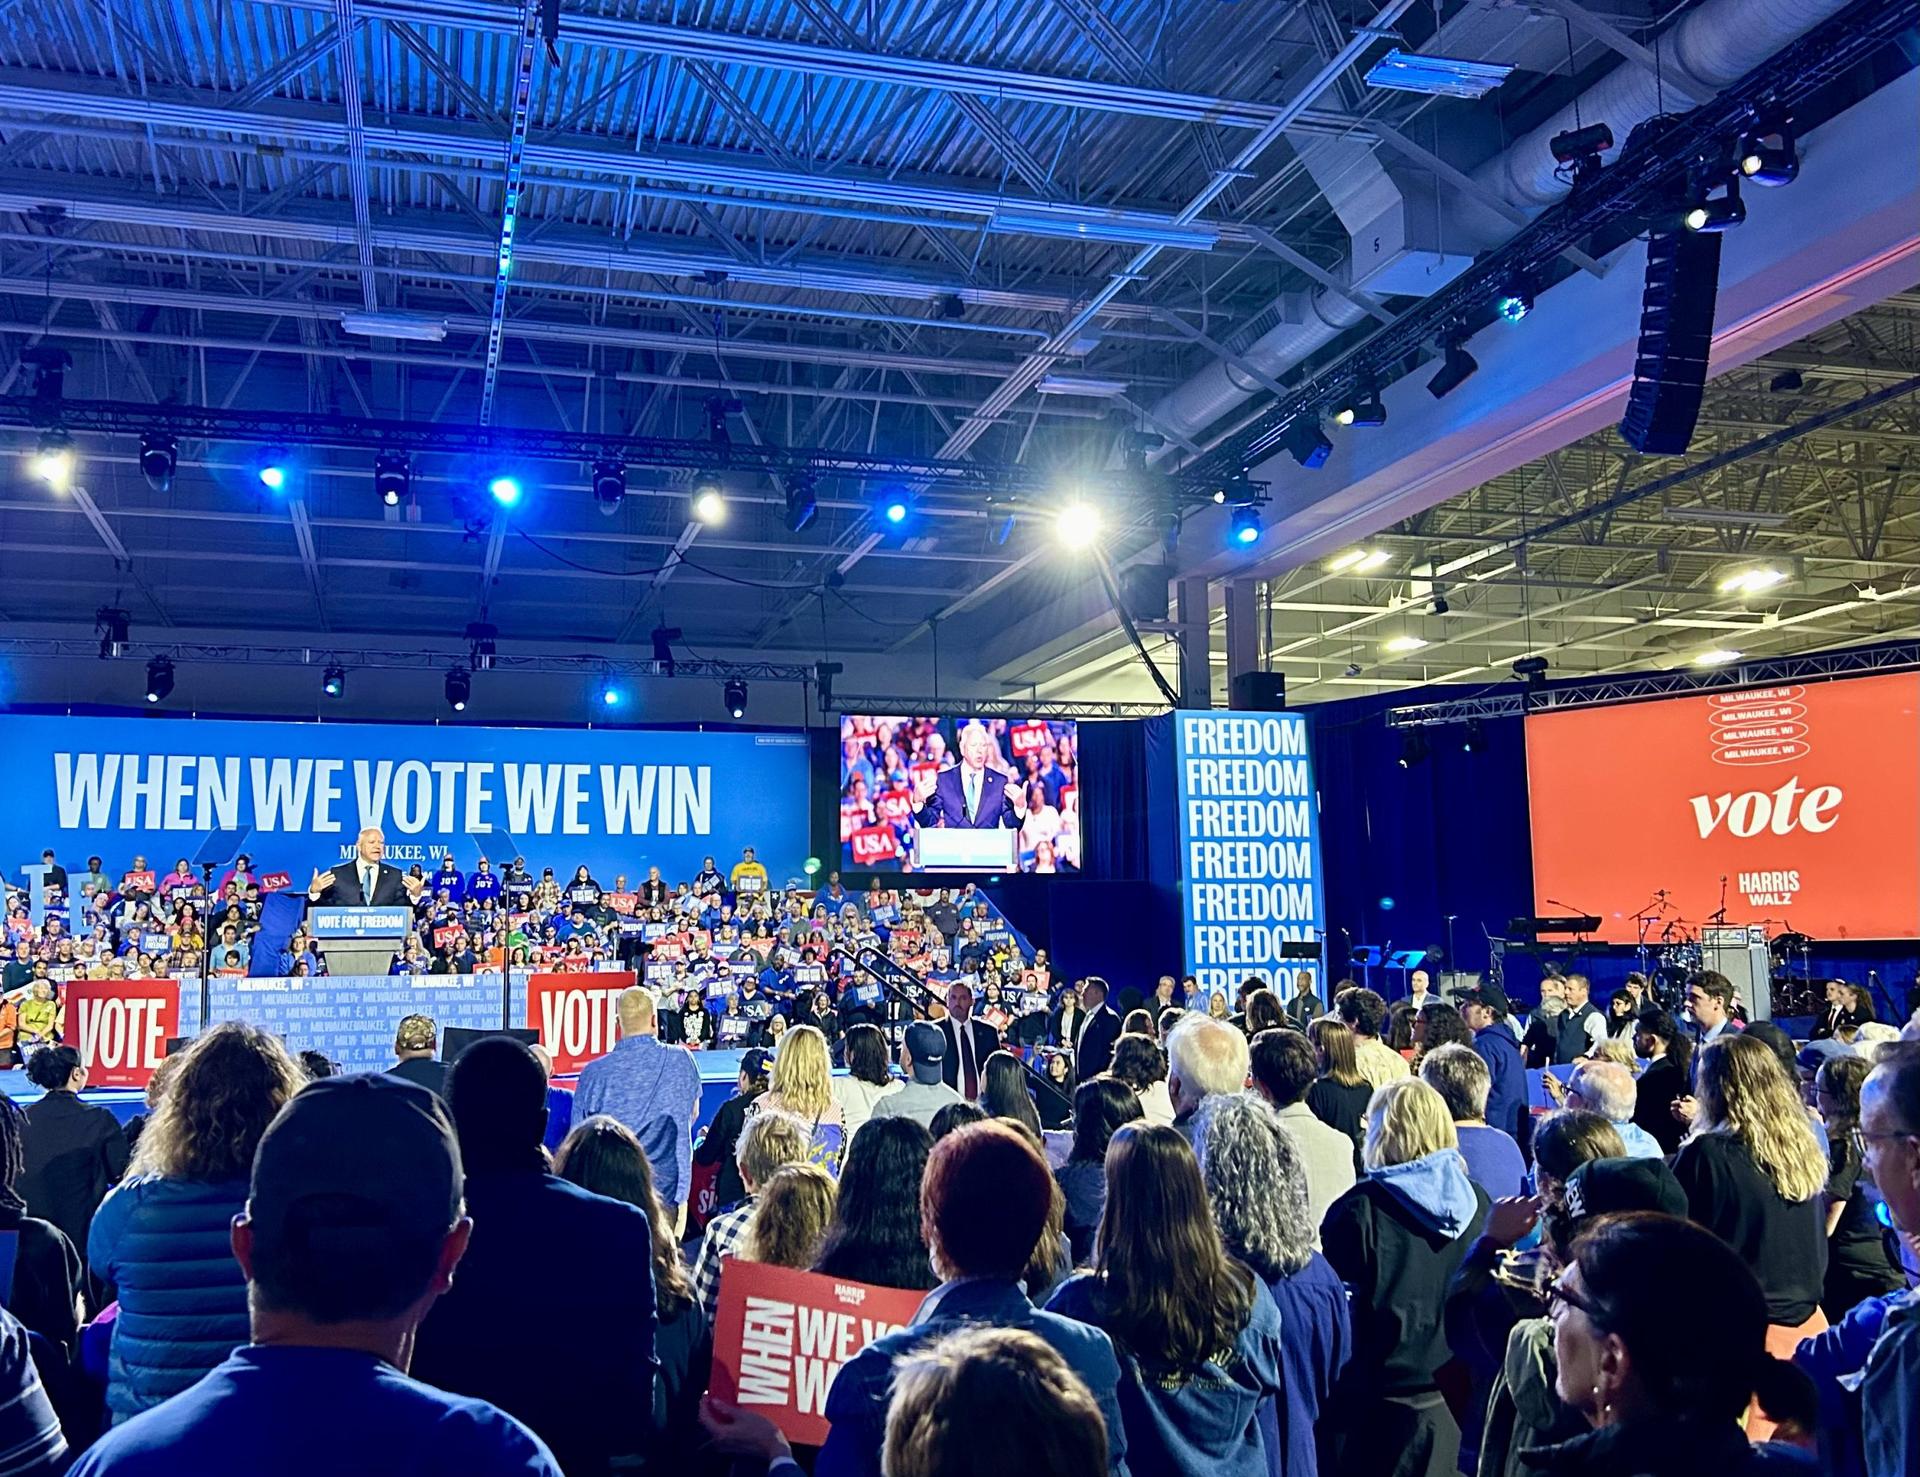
[(294, 795), (1795, 805), (576, 1015), (122, 1027), (1249, 846), (780, 1336)]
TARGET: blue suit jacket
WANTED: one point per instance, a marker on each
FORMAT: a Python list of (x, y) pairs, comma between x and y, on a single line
[(857, 1401), (947, 805)]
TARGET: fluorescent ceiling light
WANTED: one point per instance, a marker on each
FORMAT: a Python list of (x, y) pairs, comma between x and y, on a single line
[(1357, 561), (1035, 220), (1436, 76), (1719, 656), (1727, 517), (1081, 384), (1405, 643), (1751, 581), (395, 325)]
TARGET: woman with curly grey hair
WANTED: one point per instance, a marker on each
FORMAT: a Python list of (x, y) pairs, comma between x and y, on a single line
[(1257, 1183)]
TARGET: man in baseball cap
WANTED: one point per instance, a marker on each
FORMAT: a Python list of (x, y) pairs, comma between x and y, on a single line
[(353, 1227), (923, 1050), (1485, 1008)]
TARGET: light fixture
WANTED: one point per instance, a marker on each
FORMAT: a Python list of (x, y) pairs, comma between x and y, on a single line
[(609, 486), (273, 473), (1718, 656), (1365, 409), (506, 491), (610, 694), (459, 688), (1306, 443), (483, 645), (1476, 737), (334, 681), (1720, 212), (1406, 643), (1768, 155), (395, 325), (663, 638), (709, 501), (159, 459), (1752, 581), (114, 629), (1578, 151), (1078, 524), (734, 695), (1002, 530), (1244, 528), (53, 460), (392, 477), (1515, 300), (159, 679), (803, 502), (1437, 76), (1532, 670), (1439, 601), (894, 506), (1413, 748), (1457, 366), (1357, 560)]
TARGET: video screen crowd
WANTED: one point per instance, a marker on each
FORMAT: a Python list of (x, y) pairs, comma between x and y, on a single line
[(1277, 1238)]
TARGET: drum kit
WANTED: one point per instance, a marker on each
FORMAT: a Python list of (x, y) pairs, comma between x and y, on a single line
[(1671, 952)]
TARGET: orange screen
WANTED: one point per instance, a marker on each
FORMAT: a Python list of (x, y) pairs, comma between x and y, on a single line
[(1805, 797)]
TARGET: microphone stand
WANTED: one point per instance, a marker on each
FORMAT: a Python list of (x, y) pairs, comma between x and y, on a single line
[(206, 941)]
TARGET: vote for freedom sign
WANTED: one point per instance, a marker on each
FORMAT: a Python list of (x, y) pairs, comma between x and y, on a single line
[(781, 1336), (122, 1027)]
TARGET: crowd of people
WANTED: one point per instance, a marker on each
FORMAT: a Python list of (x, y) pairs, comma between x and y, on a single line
[(1152, 1230)]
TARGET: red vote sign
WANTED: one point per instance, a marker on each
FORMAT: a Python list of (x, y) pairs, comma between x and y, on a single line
[(780, 1336), (576, 1015), (122, 1027)]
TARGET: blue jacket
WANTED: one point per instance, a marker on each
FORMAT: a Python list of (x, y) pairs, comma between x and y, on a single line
[(1193, 1421), (1507, 1102), (1317, 1334), (857, 1400), (166, 1245)]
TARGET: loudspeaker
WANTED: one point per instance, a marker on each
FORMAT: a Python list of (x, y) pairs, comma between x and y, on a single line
[(1258, 692), (1676, 336), (1144, 587)]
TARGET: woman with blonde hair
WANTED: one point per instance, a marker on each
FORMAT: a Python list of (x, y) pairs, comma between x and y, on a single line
[(1753, 1170), (1396, 1239), (789, 1221), (163, 1236), (802, 1084)]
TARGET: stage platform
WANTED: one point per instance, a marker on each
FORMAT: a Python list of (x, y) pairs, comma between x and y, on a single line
[(122, 1102)]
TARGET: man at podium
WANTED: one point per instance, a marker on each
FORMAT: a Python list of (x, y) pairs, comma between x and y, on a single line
[(971, 796), (366, 881)]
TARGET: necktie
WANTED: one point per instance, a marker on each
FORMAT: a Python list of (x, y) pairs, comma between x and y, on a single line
[(973, 796), (367, 876), (971, 1078)]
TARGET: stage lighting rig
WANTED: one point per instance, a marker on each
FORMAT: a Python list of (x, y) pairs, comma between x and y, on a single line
[(1721, 212), (483, 645), (459, 688), (1457, 366), (114, 630), (1532, 670), (734, 694), (609, 486), (159, 460), (333, 681), (53, 459), (1244, 527), (1578, 152), (823, 675), (392, 477), (1307, 444), (1769, 155), (1515, 300), (1364, 409), (663, 638), (1413, 748), (159, 679), (803, 502), (709, 501)]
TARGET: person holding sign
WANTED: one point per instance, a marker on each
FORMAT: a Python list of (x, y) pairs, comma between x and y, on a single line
[(367, 881), (968, 794)]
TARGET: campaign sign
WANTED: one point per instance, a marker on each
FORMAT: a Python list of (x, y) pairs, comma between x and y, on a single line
[(780, 1336), (576, 1015), (293, 795), (122, 1027), (1249, 845), (358, 923)]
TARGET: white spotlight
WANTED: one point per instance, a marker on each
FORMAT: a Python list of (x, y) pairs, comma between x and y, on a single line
[(1079, 524)]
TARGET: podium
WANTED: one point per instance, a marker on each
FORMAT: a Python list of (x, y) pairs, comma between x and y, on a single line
[(359, 941), (961, 849)]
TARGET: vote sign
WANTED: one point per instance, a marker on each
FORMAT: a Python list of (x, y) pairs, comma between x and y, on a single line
[(122, 1027), (576, 1015)]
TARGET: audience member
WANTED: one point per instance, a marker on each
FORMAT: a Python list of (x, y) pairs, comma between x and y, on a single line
[(1667, 1077), (875, 1234), (801, 1084), (162, 1236), (1139, 1062), (414, 1043), (1099, 1028), (1198, 1334), (1004, 1092), (922, 1048), (1858, 1265), (790, 1218), (1437, 1024), (1662, 1402), (1284, 1066), (954, 1117), (1484, 1010), (1101, 1106), (983, 1206), (594, 1409), (1365, 1013), (1581, 1027), (1262, 1012), (353, 1228), (1494, 1162), (718, 1146), (1339, 1095), (74, 1152), (770, 1142), (651, 1087), (1710, 1004), (1256, 1181), (1395, 1239), (868, 1077), (603, 1157), (48, 1277), (1753, 1171), (1204, 1056), (1607, 1088)]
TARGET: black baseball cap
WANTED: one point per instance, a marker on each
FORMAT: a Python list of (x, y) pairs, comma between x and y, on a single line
[(756, 1061), (1489, 995), (369, 1138), (1609, 1186)]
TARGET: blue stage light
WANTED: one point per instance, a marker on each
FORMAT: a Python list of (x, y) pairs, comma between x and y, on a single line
[(506, 491)]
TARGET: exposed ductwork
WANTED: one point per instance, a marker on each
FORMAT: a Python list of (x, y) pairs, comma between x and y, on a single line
[(1710, 47)]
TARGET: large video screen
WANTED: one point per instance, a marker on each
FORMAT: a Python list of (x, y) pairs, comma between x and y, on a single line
[(1794, 807), (1003, 794)]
